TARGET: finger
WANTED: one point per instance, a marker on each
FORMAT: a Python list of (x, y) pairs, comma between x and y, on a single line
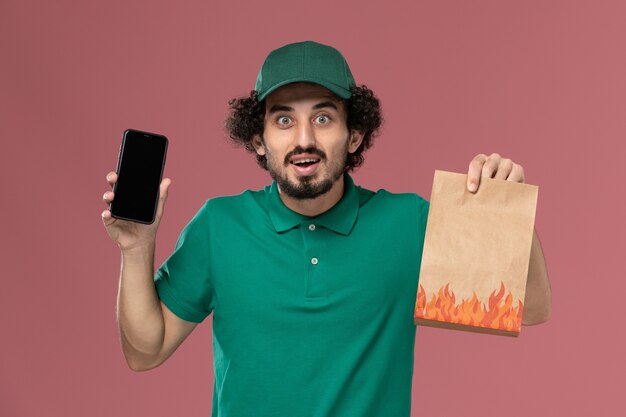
[(111, 177), (108, 196), (106, 218), (517, 174), (473, 173), (163, 192), (504, 169), (491, 165)]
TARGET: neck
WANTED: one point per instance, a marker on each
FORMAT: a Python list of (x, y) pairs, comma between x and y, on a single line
[(312, 207)]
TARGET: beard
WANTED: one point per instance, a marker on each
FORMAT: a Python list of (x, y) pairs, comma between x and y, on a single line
[(309, 186)]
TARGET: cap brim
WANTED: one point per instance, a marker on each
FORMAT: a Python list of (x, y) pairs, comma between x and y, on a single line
[(340, 91)]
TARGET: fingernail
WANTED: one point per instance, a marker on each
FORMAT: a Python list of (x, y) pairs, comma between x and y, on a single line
[(472, 186), (105, 195), (108, 177)]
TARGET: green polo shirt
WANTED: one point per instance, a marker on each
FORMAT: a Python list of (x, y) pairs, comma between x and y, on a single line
[(312, 316)]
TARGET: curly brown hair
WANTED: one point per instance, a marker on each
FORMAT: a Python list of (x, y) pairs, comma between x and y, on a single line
[(247, 115)]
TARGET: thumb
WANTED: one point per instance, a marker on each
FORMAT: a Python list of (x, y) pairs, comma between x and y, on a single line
[(163, 191)]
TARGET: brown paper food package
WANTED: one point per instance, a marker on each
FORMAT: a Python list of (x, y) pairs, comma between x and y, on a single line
[(476, 255)]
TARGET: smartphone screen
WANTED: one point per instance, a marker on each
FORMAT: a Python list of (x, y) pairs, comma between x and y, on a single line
[(139, 170)]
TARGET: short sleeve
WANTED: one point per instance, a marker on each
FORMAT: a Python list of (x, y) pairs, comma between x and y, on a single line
[(183, 281)]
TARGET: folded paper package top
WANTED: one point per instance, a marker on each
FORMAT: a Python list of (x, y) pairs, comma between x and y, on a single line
[(476, 255)]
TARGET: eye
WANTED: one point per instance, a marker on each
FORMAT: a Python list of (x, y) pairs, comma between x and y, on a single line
[(322, 119), (283, 120)]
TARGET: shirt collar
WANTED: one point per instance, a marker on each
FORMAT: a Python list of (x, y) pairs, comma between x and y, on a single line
[(340, 218)]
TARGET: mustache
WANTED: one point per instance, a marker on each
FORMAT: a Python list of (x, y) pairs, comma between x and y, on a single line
[(298, 150)]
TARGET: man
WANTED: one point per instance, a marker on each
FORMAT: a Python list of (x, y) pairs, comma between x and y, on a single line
[(312, 280)]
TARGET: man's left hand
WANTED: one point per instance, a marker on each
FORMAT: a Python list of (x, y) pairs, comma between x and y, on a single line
[(492, 166)]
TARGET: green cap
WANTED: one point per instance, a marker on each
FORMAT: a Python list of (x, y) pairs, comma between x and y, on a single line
[(305, 61)]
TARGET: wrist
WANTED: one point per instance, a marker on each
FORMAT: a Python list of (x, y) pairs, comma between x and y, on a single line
[(139, 252)]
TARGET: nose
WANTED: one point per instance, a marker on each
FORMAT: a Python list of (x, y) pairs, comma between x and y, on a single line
[(305, 135)]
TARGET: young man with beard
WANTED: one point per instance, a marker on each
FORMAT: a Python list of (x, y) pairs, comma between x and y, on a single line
[(312, 280)]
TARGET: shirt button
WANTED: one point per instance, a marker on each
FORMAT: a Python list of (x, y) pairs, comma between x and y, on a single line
[(311, 227), (314, 261)]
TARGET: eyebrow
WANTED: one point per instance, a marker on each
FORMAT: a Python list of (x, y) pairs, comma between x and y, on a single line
[(280, 107), (325, 104)]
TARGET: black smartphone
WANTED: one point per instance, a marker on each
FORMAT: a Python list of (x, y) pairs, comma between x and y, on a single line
[(139, 172)]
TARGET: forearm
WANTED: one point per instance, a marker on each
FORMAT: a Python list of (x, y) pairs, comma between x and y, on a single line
[(139, 312), (538, 299)]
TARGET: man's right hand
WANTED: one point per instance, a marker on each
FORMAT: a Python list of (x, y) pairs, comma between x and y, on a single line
[(149, 331), (129, 235)]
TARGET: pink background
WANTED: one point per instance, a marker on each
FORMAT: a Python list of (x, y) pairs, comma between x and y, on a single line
[(541, 82)]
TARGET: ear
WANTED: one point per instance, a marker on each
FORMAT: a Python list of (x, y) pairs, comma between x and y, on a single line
[(258, 145), (356, 138)]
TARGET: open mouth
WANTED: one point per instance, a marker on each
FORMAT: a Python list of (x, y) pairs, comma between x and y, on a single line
[(305, 164)]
